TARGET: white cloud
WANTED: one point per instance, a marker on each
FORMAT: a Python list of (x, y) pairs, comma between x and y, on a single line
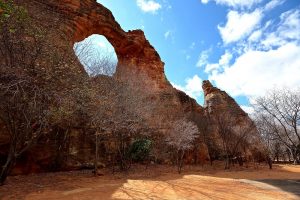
[(290, 25), (149, 6), (167, 34), (239, 25), (267, 58), (287, 30), (255, 36), (211, 67), (255, 72), (225, 59), (272, 4), (193, 87), (223, 63), (248, 109), (235, 3), (203, 58)]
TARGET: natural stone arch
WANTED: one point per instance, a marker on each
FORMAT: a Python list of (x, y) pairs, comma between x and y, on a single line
[(133, 51)]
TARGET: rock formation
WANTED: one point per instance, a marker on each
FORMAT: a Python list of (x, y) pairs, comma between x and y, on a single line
[(218, 101), (78, 19)]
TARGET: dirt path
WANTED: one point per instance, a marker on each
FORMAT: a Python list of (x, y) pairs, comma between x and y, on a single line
[(159, 182)]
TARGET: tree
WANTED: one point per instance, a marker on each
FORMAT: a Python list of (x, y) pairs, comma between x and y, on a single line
[(180, 137), (265, 140), (209, 138), (23, 102), (24, 111), (236, 137), (119, 114), (34, 98), (96, 61), (279, 111)]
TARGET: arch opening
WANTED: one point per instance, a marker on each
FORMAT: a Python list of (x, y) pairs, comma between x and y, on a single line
[(97, 55)]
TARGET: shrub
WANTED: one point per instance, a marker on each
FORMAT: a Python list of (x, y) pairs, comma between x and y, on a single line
[(140, 149)]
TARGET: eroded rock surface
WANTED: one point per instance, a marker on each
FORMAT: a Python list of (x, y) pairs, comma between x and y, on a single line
[(218, 101)]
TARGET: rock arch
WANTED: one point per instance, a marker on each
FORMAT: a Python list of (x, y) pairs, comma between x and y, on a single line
[(133, 50)]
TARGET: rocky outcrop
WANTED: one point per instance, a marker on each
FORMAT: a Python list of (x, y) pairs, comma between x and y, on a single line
[(217, 101)]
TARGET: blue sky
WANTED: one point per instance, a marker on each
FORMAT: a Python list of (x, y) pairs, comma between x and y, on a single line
[(244, 47)]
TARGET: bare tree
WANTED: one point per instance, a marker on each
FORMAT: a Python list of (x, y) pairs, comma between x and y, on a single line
[(96, 60), (236, 137), (120, 114), (279, 112), (23, 102), (265, 140), (24, 111), (209, 138), (180, 137), (32, 98)]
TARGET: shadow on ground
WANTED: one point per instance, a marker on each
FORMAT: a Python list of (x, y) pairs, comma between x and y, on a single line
[(291, 186)]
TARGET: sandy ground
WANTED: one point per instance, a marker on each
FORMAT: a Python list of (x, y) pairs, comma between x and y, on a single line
[(160, 182)]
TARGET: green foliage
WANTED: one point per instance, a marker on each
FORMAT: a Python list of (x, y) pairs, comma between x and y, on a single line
[(140, 149), (9, 10)]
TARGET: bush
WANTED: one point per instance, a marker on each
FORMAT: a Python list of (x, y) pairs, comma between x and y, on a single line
[(140, 149)]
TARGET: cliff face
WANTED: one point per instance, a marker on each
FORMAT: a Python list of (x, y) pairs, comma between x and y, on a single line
[(221, 109)]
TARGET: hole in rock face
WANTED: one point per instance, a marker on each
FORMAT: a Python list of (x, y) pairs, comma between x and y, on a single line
[(97, 55)]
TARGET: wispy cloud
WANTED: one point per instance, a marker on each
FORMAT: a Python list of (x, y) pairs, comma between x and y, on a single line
[(148, 6), (203, 58), (192, 46), (235, 3), (272, 4), (239, 25), (223, 63), (167, 34)]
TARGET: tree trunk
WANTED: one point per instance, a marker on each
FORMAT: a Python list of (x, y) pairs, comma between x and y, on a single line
[(180, 160), (96, 155), (295, 156), (6, 168), (270, 163), (211, 160), (240, 161), (227, 162), (289, 156)]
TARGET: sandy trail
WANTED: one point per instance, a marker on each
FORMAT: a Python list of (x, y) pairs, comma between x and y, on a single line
[(158, 182)]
